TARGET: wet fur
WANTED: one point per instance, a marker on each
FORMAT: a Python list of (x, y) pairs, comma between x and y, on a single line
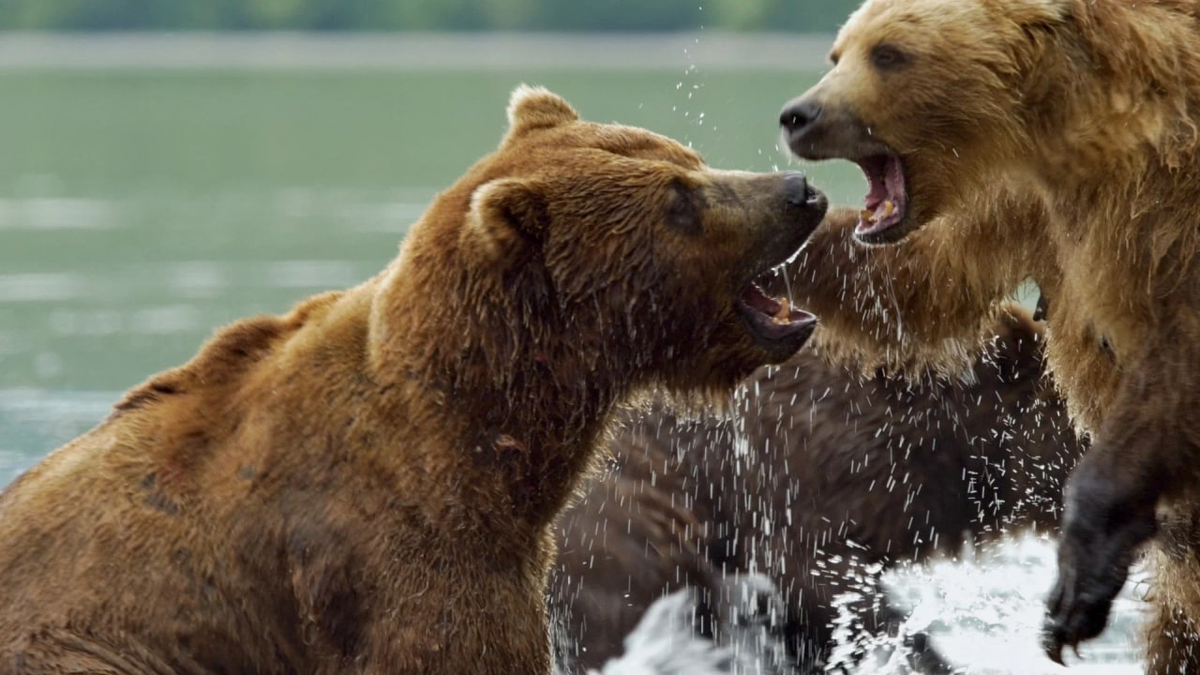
[(1068, 155), (816, 476)]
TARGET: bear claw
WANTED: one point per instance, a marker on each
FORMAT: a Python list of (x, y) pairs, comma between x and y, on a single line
[(1053, 641)]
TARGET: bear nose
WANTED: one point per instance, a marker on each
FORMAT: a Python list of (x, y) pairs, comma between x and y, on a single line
[(795, 189), (799, 114)]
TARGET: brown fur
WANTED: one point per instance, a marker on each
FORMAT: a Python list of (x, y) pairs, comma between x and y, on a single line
[(836, 474), (1054, 140), (367, 483)]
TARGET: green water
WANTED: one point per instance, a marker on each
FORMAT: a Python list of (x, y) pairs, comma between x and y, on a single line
[(140, 210)]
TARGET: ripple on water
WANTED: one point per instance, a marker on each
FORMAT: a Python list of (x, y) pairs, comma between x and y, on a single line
[(322, 274), (35, 421), (56, 213), (146, 320), (197, 278), (393, 213), (43, 287), (165, 320)]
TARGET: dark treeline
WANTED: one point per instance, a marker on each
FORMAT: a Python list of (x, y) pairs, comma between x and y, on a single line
[(807, 16)]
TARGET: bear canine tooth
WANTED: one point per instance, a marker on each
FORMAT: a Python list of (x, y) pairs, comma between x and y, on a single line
[(782, 316)]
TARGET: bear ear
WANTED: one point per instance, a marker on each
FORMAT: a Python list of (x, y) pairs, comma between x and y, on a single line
[(505, 216), (1036, 12), (537, 108)]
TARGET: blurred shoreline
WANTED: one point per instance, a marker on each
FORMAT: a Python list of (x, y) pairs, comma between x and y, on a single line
[(710, 50)]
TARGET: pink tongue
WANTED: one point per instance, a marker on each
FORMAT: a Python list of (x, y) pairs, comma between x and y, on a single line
[(876, 177), (887, 194), (893, 179)]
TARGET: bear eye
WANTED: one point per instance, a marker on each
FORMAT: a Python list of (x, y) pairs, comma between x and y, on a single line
[(833, 58), (683, 211), (888, 57)]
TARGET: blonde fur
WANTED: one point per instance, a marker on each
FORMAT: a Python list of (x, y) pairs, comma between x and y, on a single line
[(1053, 140)]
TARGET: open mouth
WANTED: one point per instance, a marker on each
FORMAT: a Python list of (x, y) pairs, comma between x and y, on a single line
[(887, 201), (774, 321)]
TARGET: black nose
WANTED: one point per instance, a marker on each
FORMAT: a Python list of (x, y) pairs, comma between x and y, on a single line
[(795, 186), (798, 114)]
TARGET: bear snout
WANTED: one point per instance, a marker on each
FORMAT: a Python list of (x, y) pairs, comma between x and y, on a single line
[(799, 114), (805, 205), (816, 127), (797, 191), (805, 124), (811, 130)]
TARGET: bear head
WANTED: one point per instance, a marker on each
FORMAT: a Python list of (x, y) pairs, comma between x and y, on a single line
[(600, 258), (934, 99)]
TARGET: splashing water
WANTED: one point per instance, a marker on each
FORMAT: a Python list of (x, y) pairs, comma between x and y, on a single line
[(664, 641), (983, 616)]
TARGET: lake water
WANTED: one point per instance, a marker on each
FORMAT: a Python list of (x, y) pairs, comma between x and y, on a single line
[(150, 194)]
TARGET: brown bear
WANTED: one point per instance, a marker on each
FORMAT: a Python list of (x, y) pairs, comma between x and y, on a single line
[(368, 483), (1057, 140), (820, 479)]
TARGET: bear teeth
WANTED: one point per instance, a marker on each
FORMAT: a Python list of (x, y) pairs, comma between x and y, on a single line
[(784, 315), (888, 208)]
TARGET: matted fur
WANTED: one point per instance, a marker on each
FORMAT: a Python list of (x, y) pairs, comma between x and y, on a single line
[(1054, 140), (367, 483)]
